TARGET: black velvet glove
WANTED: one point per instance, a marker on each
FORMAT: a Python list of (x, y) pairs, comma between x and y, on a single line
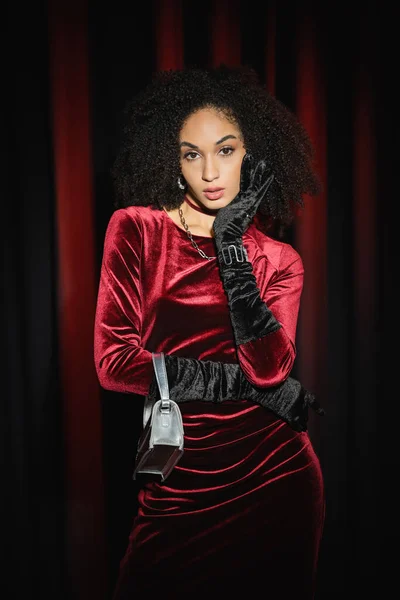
[(250, 316), (190, 379)]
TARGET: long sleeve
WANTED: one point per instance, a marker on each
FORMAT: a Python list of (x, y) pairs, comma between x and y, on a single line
[(268, 360), (155, 295), (121, 363)]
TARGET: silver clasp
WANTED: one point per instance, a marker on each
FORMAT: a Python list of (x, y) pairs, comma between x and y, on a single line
[(231, 251)]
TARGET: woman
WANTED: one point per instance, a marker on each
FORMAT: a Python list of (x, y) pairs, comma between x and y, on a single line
[(194, 266)]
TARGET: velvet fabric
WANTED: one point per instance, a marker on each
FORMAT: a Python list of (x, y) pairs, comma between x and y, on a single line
[(251, 318), (211, 381), (244, 507)]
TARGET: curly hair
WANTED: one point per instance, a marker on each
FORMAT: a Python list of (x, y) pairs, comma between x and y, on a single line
[(147, 166)]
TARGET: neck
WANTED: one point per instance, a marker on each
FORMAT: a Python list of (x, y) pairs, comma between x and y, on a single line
[(199, 222), (201, 209)]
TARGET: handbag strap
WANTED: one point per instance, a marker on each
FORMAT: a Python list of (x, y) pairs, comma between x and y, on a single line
[(161, 374), (162, 382)]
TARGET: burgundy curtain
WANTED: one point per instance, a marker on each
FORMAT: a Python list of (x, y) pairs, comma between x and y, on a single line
[(84, 491), (311, 226)]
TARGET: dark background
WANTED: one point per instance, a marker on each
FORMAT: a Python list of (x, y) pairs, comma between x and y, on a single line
[(68, 446)]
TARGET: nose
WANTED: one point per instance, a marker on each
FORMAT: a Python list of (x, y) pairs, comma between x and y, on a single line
[(210, 169)]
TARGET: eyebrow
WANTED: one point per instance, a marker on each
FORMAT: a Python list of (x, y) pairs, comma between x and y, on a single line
[(226, 137)]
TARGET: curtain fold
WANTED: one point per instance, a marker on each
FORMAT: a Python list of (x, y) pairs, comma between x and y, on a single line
[(168, 35), (364, 264), (31, 435), (226, 33), (311, 224), (83, 460)]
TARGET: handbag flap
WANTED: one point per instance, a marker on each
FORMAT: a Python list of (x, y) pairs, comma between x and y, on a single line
[(166, 425)]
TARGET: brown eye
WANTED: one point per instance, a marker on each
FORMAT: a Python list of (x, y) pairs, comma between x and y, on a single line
[(190, 155), (226, 150)]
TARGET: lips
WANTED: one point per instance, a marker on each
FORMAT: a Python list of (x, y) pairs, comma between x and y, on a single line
[(214, 193)]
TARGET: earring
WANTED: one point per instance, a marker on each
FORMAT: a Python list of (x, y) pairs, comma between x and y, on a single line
[(181, 185)]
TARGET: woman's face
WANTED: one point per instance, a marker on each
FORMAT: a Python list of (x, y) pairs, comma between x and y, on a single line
[(211, 154)]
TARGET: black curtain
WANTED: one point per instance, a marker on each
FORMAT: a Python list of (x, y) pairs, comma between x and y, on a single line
[(32, 495)]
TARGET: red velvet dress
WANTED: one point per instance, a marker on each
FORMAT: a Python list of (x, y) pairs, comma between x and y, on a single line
[(243, 510)]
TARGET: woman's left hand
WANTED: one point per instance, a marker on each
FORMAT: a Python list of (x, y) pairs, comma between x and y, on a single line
[(233, 220)]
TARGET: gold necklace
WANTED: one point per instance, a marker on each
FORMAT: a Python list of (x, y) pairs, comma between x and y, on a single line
[(186, 228)]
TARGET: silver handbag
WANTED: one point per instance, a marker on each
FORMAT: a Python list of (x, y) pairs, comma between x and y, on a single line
[(160, 445)]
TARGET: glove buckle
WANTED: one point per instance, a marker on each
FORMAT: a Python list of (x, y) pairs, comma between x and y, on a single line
[(231, 252)]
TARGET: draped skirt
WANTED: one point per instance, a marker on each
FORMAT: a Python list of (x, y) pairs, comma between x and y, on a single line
[(242, 511)]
